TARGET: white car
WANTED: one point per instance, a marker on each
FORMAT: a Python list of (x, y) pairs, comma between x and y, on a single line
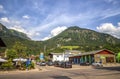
[(97, 64)]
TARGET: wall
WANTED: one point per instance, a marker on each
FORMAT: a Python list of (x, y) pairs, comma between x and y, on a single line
[(61, 57), (103, 58)]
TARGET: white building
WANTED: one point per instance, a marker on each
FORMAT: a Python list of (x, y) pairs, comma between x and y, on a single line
[(63, 56), (59, 57)]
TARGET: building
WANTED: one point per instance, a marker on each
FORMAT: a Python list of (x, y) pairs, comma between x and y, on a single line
[(103, 56), (63, 56), (58, 57)]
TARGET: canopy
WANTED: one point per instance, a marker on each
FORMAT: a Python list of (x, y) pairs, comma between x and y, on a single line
[(20, 59), (3, 60)]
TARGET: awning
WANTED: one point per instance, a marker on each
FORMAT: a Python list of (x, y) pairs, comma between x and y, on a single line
[(20, 59), (3, 60)]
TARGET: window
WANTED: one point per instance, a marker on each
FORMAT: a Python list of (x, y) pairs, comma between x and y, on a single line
[(109, 59)]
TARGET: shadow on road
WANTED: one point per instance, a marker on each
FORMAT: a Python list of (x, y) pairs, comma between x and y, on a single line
[(61, 77), (110, 68)]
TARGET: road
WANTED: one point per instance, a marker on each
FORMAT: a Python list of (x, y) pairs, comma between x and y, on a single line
[(60, 73)]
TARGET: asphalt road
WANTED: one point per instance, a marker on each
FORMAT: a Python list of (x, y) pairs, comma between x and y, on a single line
[(60, 73)]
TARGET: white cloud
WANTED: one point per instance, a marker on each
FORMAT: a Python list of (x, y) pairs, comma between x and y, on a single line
[(18, 28), (18, 25), (111, 1), (9, 22), (32, 34), (60, 16), (119, 24), (46, 38), (1, 7), (109, 28), (55, 32), (48, 17), (21, 29), (110, 13), (4, 20), (58, 30), (53, 20), (26, 17)]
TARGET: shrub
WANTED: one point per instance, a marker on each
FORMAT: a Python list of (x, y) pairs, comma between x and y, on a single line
[(7, 65), (32, 65)]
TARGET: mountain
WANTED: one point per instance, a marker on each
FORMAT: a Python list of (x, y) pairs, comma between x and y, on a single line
[(10, 37), (10, 32), (86, 39)]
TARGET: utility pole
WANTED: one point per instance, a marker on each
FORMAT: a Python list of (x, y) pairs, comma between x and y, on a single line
[(44, 48)]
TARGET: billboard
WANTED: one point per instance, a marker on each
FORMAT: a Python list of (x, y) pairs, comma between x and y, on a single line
[(41, 56)]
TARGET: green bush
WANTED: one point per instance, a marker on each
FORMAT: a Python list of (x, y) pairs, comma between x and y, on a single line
[(32, 65), (7, 65)]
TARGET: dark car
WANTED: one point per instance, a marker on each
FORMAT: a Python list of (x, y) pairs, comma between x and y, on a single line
[(57, 63), (85, 64), (50, 63), (66, 65), (42, 63)]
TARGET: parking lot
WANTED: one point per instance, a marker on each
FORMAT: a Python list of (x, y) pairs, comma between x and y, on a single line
[(77, 72)]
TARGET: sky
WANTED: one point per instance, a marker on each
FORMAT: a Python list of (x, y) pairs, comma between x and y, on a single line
[(44, 19)]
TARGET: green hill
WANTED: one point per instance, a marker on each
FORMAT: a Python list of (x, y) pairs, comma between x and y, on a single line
[(4, 32), (10, 37), (84, 39)]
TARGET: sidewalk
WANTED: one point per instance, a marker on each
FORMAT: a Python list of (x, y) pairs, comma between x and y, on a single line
[(37, 69), (80, 67), (111, 65), (48, 68), (18, 71)]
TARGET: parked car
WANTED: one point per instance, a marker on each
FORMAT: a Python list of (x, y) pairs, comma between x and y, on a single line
[(50, 63), (38, 63), (57, 63), (97, 64), (85, 64), (66, 65), (43, 63)]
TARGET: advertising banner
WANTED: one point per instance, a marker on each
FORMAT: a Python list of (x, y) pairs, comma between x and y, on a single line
[(41, 56)]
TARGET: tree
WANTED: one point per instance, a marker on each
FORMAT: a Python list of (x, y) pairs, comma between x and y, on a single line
[(118, 57), (11, 54), (20, 49)]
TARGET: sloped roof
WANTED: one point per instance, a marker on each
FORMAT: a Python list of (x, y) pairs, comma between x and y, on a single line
[(73, 51), (92, 52), (56, 53), (61, 54), (2, 44)]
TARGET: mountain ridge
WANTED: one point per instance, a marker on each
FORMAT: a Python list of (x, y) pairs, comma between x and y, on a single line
[(86, 39), (10, 32)]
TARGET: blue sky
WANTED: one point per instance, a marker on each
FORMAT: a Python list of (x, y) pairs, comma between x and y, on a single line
[(43, 19)]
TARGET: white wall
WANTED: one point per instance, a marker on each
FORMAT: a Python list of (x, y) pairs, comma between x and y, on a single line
[(60, 58)]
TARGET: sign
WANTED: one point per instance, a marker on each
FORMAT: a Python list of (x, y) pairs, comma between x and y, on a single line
[(41, 56), (102, 57)]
